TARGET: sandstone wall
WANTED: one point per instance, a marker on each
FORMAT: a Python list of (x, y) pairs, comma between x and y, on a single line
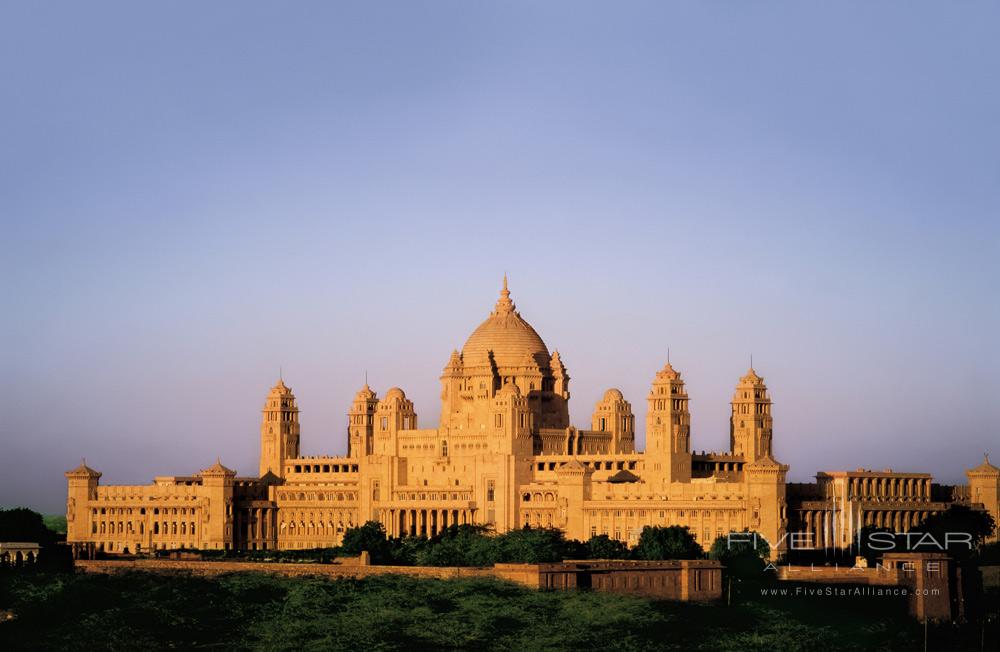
[(211, 568)]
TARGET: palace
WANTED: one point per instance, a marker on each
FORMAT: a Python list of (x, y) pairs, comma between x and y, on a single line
[(505, 455)]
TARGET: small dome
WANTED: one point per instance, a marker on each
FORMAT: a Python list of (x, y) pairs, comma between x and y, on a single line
[(509, 389), (395, 393), (613, 395)]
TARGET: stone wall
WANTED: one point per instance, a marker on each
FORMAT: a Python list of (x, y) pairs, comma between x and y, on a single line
[(211, 568), (874, 575), (928, 578), (667, 580)]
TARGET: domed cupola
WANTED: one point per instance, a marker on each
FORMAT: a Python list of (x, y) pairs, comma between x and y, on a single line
[(511, 340), (504, 350)]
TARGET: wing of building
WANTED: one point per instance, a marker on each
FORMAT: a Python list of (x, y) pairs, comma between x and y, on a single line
[(504, 455)]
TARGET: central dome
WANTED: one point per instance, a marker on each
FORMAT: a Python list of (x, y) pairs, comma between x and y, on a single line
[(512, 340)]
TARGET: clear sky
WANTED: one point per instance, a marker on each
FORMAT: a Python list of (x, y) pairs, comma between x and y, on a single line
[(195, 194)]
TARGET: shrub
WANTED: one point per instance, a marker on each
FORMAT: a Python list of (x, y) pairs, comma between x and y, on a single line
[(672, 542), (601, 546)]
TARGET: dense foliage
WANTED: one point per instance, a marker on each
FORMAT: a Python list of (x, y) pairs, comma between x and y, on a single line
[(21, 524), (743, 553), (250, 611), (957, 519), (672, 542), (475, 545)]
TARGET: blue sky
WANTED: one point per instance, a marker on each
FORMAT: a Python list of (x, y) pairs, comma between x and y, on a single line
[(193, 195)]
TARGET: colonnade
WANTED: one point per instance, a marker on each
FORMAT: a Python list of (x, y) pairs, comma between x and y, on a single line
[(18, 558), (895, 520), (257, 528), (425, 522), (905, 488), (819, 523)]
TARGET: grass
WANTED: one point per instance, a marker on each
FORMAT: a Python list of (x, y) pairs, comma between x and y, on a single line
[(250, 611), (55, 522)]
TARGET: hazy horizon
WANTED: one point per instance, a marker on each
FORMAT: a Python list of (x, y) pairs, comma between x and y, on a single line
[(194, 196)]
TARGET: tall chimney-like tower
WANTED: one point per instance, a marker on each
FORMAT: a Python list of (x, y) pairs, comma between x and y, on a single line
[(751, 425), (279, 430)]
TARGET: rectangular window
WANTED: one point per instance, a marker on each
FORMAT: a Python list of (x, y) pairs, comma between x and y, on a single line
[(490, 491)]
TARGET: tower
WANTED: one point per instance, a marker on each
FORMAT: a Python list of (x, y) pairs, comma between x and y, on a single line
[(217, 529), (455, 388), (614, 414), (766, 502), (559, 390), (82, 486), (984, 488), (394, 413), (668, 427), (361, 423), (750, 425), (512, 422), (279, 430)]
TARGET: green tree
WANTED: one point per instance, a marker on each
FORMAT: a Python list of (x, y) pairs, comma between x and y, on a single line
[(459, 545), (743, 553), (533, 546), (371, 537), (740, 544), (22, 524), (672, 542), (601, 546), (960, 529)]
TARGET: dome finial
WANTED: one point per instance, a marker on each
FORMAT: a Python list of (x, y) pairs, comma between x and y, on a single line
[(504, 304)]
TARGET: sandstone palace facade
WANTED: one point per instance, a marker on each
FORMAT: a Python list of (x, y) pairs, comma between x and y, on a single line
[(506, 455)]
